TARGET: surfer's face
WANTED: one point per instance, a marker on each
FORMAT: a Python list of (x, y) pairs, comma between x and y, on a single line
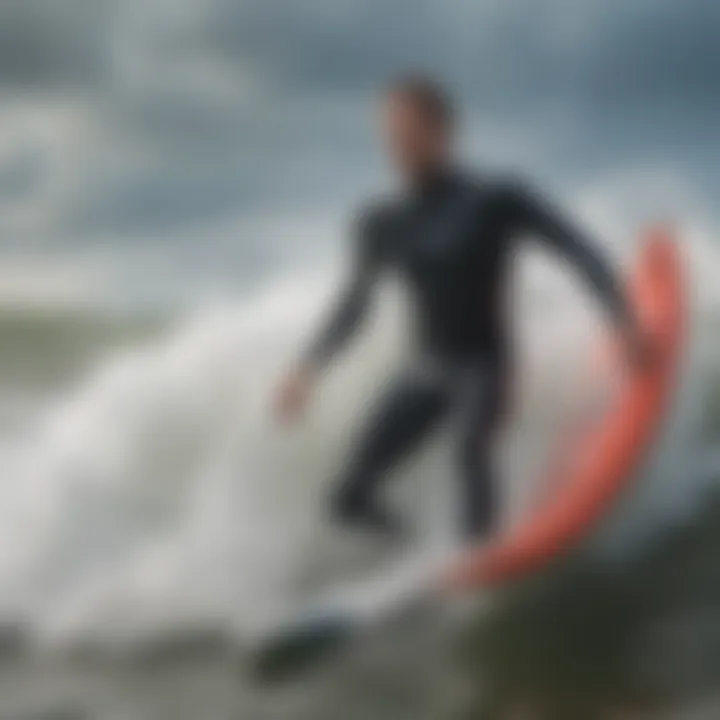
[(416, 141)]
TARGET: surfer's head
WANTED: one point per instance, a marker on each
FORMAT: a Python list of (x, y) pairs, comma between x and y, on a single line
[(417, 122)]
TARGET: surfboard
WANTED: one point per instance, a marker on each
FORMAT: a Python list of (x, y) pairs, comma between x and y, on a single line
[(593, 469), (590, 470)]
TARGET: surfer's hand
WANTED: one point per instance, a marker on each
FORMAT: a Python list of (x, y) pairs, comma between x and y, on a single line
[(293, 395)]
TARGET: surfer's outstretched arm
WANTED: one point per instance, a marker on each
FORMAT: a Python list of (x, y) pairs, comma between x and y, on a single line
[(538, 217), (353, 300), (350, 309)]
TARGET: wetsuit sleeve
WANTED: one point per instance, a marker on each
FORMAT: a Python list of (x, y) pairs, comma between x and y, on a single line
[(533, 214), (352, 303)]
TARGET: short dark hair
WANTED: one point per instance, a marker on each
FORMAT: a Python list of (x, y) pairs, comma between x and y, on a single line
[(427, 93)]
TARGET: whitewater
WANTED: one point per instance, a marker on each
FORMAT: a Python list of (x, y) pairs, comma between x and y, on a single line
[(157, 495)]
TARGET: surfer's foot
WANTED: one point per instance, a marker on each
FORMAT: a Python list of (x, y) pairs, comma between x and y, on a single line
[(379, 520), (372, 517)]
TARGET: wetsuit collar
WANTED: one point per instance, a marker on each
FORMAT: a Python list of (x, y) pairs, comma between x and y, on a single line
[(435, 184)]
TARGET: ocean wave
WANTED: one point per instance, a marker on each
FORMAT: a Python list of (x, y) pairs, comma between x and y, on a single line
[(157, 495)]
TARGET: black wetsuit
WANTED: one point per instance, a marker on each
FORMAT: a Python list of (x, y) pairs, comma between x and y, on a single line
[(452, 242)]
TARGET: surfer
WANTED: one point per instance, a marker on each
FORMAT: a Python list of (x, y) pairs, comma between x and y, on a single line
[(451, 237)]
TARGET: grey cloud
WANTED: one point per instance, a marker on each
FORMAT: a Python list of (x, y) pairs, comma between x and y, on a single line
[(236, 106), (609, 48), (46, 44)]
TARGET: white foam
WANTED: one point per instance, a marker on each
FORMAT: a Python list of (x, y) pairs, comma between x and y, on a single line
[(160, 495)]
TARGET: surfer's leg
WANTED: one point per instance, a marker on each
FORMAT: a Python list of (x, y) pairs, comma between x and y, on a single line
[(481, 409), (402, 419)]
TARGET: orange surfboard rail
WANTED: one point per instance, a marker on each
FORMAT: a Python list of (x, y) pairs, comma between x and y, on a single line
[(602, 462)]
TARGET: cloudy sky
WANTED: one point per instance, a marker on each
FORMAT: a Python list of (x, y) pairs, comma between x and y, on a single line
[(155, 130)]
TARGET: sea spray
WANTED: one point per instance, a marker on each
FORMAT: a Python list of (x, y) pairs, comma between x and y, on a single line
[(159, 494)]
